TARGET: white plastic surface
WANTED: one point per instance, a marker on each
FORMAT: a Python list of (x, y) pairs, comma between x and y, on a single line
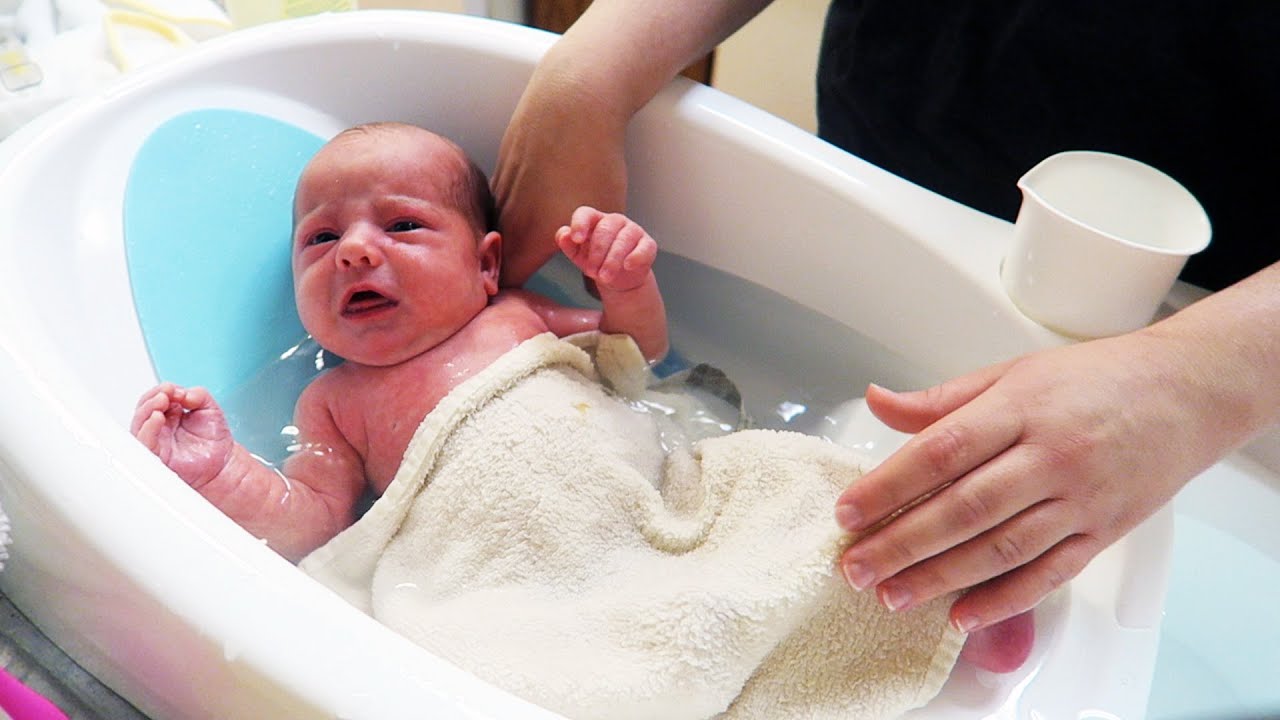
[(187, 616)]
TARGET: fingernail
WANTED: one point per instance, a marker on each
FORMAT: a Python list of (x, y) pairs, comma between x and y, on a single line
[(848, 517), (858, 575), (966, 624), (894, 598)]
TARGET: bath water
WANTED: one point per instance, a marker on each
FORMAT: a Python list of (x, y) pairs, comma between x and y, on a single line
[(796, 369)]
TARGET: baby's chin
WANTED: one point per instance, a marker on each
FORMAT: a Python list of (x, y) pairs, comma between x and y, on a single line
[(346, 349), (373, 359), (380, 355)]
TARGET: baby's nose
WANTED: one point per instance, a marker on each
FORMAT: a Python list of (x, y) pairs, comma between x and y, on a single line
[(359, 246)]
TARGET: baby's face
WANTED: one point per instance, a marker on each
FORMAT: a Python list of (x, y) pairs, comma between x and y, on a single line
[(385, 266)]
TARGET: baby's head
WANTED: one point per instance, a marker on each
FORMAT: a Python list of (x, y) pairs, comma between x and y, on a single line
[(393, 244), (462, 180)]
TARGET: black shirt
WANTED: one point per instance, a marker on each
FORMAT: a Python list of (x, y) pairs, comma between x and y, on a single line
[(963, 97)]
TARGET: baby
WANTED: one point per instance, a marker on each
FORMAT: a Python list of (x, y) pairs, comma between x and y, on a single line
[(395, 269)]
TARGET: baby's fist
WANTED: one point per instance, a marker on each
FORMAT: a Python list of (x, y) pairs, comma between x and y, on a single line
[(609, 248), (186, 429)]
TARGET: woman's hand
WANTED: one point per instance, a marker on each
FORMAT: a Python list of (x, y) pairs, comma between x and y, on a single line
[(1031, 468)]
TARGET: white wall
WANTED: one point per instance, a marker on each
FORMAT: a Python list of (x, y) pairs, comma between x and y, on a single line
[(771, 61)]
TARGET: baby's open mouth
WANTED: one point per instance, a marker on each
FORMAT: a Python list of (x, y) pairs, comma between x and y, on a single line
[(366, 301)]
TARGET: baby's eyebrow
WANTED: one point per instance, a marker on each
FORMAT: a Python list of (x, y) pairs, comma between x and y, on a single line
[(411, 200), (299, 220), (297, 216)]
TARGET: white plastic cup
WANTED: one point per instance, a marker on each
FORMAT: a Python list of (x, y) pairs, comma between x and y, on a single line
[(1098, 243)]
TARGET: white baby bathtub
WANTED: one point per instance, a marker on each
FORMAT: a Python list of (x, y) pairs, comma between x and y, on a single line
[(185, 615)]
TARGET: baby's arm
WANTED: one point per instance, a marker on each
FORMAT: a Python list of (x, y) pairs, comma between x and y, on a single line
[(618, 255), (295, 512)]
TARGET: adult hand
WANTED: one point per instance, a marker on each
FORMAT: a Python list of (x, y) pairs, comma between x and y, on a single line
[(1030, 468)]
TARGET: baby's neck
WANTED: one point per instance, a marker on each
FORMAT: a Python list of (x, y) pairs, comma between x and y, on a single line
[(381, 406)]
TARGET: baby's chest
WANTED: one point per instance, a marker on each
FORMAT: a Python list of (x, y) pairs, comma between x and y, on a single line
[(389, 420)]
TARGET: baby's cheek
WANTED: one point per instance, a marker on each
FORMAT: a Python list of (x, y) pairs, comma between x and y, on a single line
[(310, 313)]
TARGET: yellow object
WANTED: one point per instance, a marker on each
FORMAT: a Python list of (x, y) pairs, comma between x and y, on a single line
[(194, 26), (17, 71), (254, 12), (117, 20)]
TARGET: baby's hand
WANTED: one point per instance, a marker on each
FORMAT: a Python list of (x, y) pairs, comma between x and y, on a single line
[(610, 249), (186, 429)]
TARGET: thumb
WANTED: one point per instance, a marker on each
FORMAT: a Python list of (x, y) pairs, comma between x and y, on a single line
[(911, 412)]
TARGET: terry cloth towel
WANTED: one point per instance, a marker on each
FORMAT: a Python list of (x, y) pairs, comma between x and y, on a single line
[(539, 535)]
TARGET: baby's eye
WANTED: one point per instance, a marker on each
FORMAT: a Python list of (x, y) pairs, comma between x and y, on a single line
[(324, 236), (404, 226)]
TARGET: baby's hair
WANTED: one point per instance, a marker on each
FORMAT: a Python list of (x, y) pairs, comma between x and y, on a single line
[(470, 190)]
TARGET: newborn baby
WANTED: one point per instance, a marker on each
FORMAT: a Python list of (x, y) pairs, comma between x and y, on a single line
[(395, 268), (480, 430)]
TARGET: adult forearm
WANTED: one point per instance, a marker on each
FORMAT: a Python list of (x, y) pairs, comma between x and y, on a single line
[(622, 52), (1231, 344), (1037, 464), (564, 145)]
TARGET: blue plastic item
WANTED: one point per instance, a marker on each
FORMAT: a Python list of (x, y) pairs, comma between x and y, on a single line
[(207, 223)]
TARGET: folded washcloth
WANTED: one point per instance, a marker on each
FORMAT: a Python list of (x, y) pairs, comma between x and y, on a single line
[(540, 535)]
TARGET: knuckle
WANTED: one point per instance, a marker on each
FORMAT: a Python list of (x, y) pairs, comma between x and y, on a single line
[(927, 581), (935, 396), (1069, 452), (1055, 575), (898, 552), (1065, 564), (612, 223), (971, 507), (1008, 550), (945, 449)]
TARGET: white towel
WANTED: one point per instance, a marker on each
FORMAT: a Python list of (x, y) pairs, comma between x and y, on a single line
[(538, 535)]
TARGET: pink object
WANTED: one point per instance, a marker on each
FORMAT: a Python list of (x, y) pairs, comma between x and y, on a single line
[(23, 703), (1003, 647)]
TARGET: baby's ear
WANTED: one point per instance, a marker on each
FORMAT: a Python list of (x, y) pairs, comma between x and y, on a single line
[(491, 261)]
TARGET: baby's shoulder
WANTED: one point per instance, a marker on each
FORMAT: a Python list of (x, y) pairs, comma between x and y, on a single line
[(519, 298), (330, 406), (518, 308), (325, 388)]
